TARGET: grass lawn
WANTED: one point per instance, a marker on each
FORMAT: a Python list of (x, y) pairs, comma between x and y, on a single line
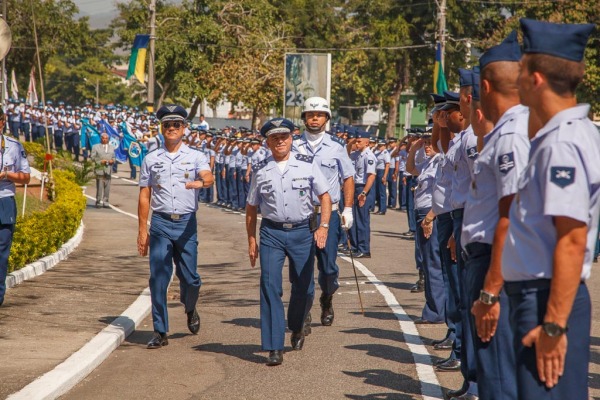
[(33, 201)]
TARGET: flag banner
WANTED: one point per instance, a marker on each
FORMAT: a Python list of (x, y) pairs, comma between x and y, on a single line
[(439, 79), (32, 98), (115, 140), (5, 83), (137, 61), (89, 135), (14, 89), (129, 143)]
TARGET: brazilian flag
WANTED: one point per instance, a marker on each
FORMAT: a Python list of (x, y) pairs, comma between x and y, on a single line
[(439, 80), (137, 61)]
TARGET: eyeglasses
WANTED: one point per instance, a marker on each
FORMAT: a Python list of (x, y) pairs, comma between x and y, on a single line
[(175, 125)]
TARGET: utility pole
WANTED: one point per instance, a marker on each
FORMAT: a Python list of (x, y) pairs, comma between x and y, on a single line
[(442, 28), (4, 74), (97, 90), (150, 101)]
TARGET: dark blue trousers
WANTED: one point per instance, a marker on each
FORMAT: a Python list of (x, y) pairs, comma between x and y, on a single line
[(342, 234), (219, 182), (401, 191), (360, 233), (326, 258), (468, 365), (6, 236), (528, 303), (450, 273), (411, 184), (173, 241), (58, 139), (232, 195), (435, 295), (380, 194), (26, 129), (496, 368), (241, 194), (392, 188), (276, 244), (14, 128)]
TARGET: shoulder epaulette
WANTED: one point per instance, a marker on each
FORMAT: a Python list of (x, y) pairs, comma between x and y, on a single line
[(260, 165), (305, 158), (338, 140), (296, 137), (509, 127), (152, 151), (11, 139)]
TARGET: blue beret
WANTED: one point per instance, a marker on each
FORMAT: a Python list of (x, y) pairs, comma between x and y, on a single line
[(475, 88), (171, 112), (559, 40), (277, 125), (362, 134), (465, 77), (452, 100), (508, 50)]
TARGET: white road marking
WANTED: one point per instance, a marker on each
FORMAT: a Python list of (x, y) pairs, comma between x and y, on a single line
[(430, 386)]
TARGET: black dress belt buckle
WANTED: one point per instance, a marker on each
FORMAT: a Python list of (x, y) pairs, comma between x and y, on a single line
[(287, 226), (175, 217)]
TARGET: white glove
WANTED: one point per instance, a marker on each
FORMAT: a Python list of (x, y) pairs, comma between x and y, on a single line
[(347, 218)]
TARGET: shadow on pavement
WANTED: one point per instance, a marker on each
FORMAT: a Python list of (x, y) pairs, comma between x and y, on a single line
[(247, 322), (385, 352), (380, 396), (246, 352), (389, 380), (378, 333)]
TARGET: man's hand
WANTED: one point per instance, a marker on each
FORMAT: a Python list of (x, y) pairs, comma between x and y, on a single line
[(111, 162), (486, 319), (248, 178), (394, 177), (143, 242), (427, 228), (442, 119), (223, 174), (194, 185), (383, 180), (550, 354), (362, 198), (347, 218), (321, 237), (252, 251), (452, 246)]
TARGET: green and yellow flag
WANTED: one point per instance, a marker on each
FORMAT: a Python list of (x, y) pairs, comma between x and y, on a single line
[(439, 79), (137, 61)]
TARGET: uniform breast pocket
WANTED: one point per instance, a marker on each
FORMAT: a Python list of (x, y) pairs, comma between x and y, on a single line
[(301, 188), (266, 190), (185, 173)]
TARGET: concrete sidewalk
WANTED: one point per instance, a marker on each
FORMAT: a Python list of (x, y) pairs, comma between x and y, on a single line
[(46, 319)]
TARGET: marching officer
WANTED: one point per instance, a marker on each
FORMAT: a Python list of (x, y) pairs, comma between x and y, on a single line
[(548, 252), (169, 181), (382, 168), (284, 186), (15, 169), (330, 155)]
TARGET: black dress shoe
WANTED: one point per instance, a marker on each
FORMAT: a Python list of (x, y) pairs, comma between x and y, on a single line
[(466, 396), (298, 340), (193, 321), (158, 340), (445, 345), (445, 360), (106, 205), (448, 366), (327, 314), (362, 255), (275, 357), (421, 321), (450, 394), (307, 324), (380, 213)]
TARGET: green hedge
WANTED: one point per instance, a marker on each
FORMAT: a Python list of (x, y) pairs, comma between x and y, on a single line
[(43, 233)]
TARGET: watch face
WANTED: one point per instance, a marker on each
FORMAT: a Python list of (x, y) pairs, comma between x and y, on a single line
[(552, 329)]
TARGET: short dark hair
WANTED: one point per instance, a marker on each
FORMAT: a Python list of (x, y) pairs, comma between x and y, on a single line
[(563, 75)]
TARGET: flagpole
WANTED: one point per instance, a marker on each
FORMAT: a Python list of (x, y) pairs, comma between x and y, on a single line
[(48, 150), (150, 100), (4, 88)]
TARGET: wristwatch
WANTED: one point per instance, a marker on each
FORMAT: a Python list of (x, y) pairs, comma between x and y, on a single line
[(363, 193), (488, 298), (553, 330), (326, 226)]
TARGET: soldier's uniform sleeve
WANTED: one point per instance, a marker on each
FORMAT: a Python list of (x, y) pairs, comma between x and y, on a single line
[(202, 162), (345, 164), (387, 158), (22, 165), (320, 183), (145, 175), (511, 158), (563, 180), (371, 165), (252, 198)]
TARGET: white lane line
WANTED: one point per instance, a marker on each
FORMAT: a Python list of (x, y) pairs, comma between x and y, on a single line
[(430, 386), (81, 363)]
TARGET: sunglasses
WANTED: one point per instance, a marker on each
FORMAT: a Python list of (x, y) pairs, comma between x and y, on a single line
[(175, 125)]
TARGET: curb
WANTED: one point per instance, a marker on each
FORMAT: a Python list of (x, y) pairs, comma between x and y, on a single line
[(40, 266)]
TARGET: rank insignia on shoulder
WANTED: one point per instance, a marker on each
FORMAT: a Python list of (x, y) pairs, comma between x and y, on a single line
[(259, 166), (304, 157), (371, 162), (338, 140), (562, 176), (506, 162), (472, 152)]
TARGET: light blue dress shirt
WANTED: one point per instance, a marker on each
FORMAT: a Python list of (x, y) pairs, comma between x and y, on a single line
[(364, 164), (383, 157), (13, 159), (464, 159), (428, 169), (443, 180)]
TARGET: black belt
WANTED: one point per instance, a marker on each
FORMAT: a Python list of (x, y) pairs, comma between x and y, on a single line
[(513, 288), (284, 225), (172, 217), (477, 249), (458, 213)]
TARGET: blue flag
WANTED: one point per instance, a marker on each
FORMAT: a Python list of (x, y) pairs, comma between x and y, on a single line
[(130, 144), (115, 140), (89, 135)]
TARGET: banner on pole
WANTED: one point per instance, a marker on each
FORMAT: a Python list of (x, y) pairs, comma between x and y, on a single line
[(306, 75)]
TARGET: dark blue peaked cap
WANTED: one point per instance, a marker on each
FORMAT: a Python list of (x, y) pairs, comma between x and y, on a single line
[(560, 40), (452, 100), (437, 99), (351, 131), (465, 77), (475, 87), (362, 134), (277, 125), (171, 112), (508, 50)]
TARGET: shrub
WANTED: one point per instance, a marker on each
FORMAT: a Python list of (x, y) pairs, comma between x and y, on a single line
[(42, 233)]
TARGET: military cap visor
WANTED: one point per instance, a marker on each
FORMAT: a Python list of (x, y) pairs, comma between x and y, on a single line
[(277, 126), (171, 112)]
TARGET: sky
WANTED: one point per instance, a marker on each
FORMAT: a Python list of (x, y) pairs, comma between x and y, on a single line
[(101, 12)]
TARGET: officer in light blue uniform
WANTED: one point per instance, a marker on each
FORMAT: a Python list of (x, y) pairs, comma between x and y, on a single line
[(392, 177), (547, 256), (364, 181), (426, 169), (231, 174), (496, 172), (331, 157), (170, 178), (219, 168), (382, 167), (14, 169), (285, 186)]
